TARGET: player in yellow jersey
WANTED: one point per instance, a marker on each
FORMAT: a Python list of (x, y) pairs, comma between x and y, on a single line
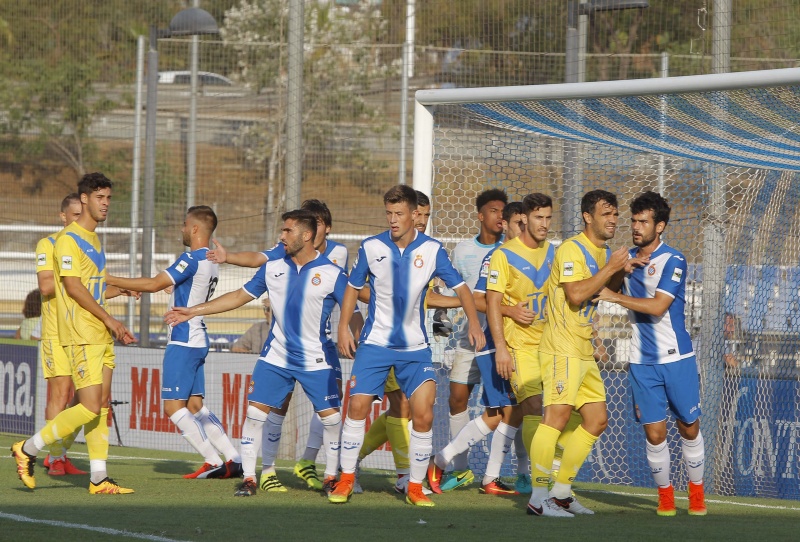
[(583, 265), (56, 366), (88, 332)]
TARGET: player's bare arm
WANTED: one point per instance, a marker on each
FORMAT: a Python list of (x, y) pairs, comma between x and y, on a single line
[(364, 293), (46, 281), (502, 356), (580, 291), (347, 345), (439, 301), (475, 333), (224, 303), (141, 284), (78, 292), (219, 254), (654, 306), (520, 312), (114, 291), (616, 281)]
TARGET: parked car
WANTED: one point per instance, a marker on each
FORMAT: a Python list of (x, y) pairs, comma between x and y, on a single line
[(185, 78)]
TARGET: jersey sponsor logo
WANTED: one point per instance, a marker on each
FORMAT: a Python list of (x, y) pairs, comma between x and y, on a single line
[(66, 262), (485, 270), (677, 274), (41, 259), (569, 269), (418, 261), (651, 270), (494, 276), (181, 267), (316, 280)]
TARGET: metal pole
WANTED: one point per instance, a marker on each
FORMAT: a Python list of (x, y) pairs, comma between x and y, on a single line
[(583, 32), (661, 158), (294, 121), (137, 160), (191, 136), (408, 67), (149, 183), (571, 210)]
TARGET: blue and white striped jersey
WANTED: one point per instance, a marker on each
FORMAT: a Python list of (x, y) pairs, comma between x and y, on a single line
[(302, 298), (398, 285), (664, 339), (467, 259), (195, 279), (480, 287)]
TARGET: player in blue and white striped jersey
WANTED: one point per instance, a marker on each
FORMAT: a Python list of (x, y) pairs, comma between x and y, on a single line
[(663, 366), (303, 288), (400, 264), (193, 279)]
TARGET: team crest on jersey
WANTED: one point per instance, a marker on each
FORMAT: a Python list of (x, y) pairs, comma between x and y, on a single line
[(418, 261), (66, 262), (181, 267), (560, 386), (251, 386), (41, 259), (316, 281), (651, 270), (353, 381), (569, 269)]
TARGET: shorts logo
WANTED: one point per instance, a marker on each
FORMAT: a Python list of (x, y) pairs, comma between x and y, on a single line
[(426, 369), (353, 381), (41, 259), (677, 274), (560, 386), (329, 397), (651, 270), (316, 281), (66, 262), (81, 370), (494, 276), (569, 269), (418, 261), (181, 267), (251, 386)]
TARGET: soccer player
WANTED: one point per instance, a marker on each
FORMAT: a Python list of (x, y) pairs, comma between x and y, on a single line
[(464, 374), (663, 366), (303, 287), (193, 279), (400, 264), (305, 468), (583, 265), (56, 365), (87, 331), (501, 414)]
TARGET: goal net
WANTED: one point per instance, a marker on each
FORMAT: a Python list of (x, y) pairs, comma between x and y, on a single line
[(725, 151)]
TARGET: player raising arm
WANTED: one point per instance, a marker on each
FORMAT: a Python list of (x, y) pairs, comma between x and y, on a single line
[(663, 366)]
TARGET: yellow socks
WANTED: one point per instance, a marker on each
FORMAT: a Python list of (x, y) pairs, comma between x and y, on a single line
[(543, 448), (65, 423), (96, 434), (399, 438), (575, 453), (530, 424), (375, 437)]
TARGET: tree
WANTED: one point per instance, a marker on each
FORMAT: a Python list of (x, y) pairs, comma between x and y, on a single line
[(341, 59)]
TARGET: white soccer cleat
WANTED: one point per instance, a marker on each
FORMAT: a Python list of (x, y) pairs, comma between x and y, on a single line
[(548, 508), (571, 504)]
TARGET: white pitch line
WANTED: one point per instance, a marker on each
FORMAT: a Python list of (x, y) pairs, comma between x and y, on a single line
[(103, 530), (712, 501)]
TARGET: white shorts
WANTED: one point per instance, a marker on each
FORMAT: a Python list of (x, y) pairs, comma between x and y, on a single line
[(465, 369)]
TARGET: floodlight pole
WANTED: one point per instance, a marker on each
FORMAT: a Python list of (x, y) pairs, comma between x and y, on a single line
[(294, 106)]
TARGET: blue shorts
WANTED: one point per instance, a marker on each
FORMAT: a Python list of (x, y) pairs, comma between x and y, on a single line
[(270, 385), (372, 364), (332, 357), (497, 392), (183, 375), (655, 387)]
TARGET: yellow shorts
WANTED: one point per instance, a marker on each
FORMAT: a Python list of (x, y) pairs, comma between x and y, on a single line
[(55, 360), (527, 378), (570, 381), (391, 382), (88, 361)]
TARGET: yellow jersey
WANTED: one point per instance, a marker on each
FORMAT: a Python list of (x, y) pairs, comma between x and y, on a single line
[(520, 273), (44, 262), (568, 329), (78, 254)]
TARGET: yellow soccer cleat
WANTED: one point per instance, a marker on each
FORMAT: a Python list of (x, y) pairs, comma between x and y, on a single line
[(25, 464), (108, 487), (307, 471)]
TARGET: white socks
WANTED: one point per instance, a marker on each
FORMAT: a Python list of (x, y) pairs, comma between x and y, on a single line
[(272, 440), (457, 423), (420, 447), (472, 433), (694, 457), (314, 443), (501, 444), (352, 440), (192, 431), (251, 439), (332, 427), (216, 434)]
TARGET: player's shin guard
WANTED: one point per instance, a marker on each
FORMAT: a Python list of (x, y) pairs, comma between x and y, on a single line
[(575, 453), (216, 434), (530, 424), (457, 423), (316, 432), (376, 436), (271, 434), (420, 449), (332, 427), (251, 440), (658, 460), (352, 439), (96, 433), (501, 444), (193, 433), (397, 432), (694, 456)]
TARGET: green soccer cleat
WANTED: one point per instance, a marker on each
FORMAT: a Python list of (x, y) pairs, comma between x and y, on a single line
[(307, 471), (270, 483)]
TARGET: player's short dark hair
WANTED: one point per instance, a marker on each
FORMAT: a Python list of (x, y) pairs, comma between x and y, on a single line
[(592, 198), (204, 214), (33, 304), (306, 220), (493, 194), (92, 182), (319, 209), (422, 199), (66, 202), (652, 201), (401, 193), (536, 200), (513, 208)]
